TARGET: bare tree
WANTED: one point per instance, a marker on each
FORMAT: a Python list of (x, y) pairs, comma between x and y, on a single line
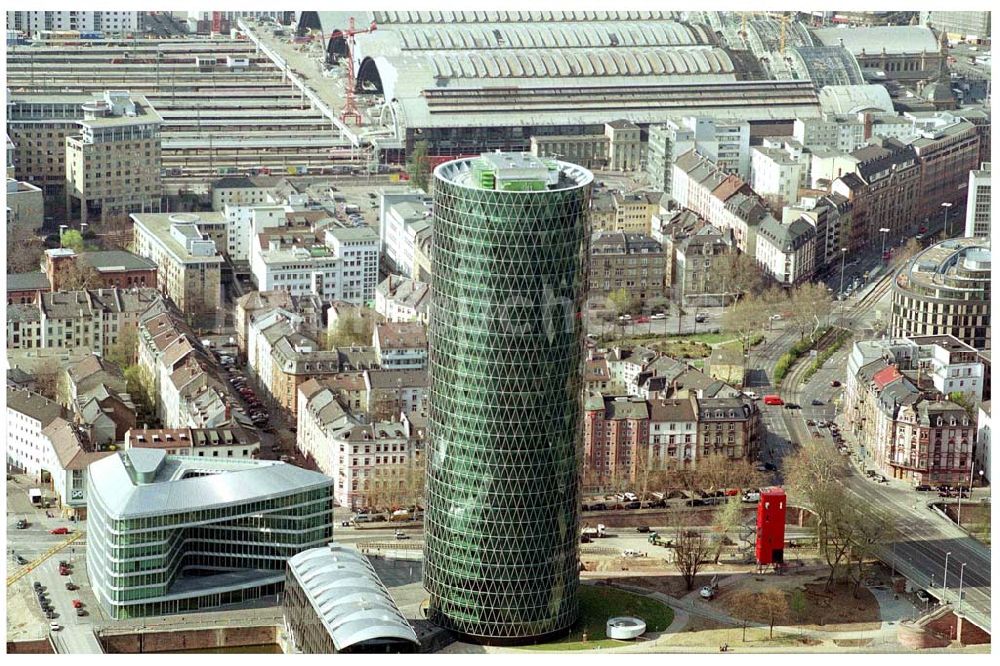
[(691, 551), (769, 605), (124, 352), (910, 249), (75, 276), (745, 319), (728, 518), (810, 305), (24, 250), (738, 274), (350, 330), (48, 380), (719, 471), (870, 532), (815, 472)]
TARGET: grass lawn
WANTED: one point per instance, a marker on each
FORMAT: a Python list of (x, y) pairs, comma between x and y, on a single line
[(598, 604)]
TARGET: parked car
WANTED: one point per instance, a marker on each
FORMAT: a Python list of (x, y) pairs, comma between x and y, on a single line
[(77, 603), (599, 506), (642, 529), (633, 505), (71, 586), (816, 403), (59, 530), (792, 405), (751, 496), (707, 592), (80, 612), (22, 524), (658, 315), (21, 560), (835, 383), (54, 626), (401, 535), (701, 318)]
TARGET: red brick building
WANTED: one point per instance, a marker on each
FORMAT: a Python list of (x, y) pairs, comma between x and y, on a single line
[(105, 269)]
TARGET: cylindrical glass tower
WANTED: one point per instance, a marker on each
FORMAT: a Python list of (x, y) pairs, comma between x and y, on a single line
[(509, 278)]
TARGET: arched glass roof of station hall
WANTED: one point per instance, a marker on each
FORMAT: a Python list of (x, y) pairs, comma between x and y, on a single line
[(523, 36), (556, 63), (348, 596)]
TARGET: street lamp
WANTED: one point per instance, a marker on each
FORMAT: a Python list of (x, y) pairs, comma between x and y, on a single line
[(843, 262), (885, 234), (946, 205), (946, 556), (961, 576)]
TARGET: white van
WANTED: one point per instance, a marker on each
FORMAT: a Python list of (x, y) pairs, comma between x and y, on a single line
[(631, 552), (361, 518)]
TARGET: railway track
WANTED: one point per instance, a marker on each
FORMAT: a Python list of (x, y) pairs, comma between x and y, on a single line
[(827, 340)]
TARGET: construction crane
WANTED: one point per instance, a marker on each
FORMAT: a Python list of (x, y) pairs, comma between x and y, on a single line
[(784, 28), (350, 104)]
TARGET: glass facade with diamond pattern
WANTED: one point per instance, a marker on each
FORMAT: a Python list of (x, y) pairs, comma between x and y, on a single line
[(502, 519)]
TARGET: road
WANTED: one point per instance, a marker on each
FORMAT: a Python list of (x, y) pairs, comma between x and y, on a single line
[(925, 537)]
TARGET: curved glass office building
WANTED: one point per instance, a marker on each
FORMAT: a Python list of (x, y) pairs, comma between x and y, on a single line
[(509, 266), (169, 534)]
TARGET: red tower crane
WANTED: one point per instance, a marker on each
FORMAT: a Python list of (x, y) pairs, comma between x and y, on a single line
[(350, 104)]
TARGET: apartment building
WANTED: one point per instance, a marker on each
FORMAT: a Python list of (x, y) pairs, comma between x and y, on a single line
[(28, 414), (787, 252), (25, 205), (695, 250), (946, 149), (281, 358), (244, 223), (401, 345), (113, 163), (978, 205), (626, 436), (86, 320), (843, 134), (400, 228), (178, 372), (243, 191), (333, 262), (629, 261), (228, 442), (779, 169), (724, 200), (377, 464), (883, 192), (725, 143), (831, 216), (907, 432), (189, 266), (31, 22), (401, 299)]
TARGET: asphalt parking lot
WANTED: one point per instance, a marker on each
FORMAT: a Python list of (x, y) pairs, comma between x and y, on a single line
[(25, 619)]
